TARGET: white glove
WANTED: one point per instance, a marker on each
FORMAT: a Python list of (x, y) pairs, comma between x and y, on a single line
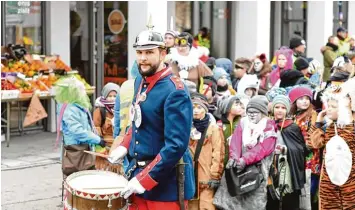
[(117, 155), (133, 186)]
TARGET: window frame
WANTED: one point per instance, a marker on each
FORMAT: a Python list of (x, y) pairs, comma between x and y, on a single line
[(336, 19), (43, 22), (286, 20)]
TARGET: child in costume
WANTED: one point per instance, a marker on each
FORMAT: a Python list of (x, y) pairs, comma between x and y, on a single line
[(284, 62), (305, 116), (287, 173), (74, 110), (335, 132), (262, 69), (185, 61)]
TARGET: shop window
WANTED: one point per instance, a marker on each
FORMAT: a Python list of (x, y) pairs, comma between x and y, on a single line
[(23, 24), (115, 41), (294, 20), (340, 14)]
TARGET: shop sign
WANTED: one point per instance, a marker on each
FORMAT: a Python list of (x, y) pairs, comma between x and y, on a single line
[(116, 21)]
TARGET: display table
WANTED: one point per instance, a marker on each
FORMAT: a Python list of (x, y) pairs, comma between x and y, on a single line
[(6, 122)]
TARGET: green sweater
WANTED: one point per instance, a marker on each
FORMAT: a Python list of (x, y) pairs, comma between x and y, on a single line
[(329, 55), (228, 130)]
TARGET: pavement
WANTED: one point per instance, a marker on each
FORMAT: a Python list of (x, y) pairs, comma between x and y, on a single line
[(31, 177), (29, 150)]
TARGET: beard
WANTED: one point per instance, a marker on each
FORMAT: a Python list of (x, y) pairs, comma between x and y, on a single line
[(150, 72)]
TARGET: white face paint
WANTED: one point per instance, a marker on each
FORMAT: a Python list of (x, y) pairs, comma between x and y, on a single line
[(254, 115), (258, 64)]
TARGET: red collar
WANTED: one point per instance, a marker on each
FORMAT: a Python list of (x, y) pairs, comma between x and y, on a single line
[(156, 76), (285, 124)]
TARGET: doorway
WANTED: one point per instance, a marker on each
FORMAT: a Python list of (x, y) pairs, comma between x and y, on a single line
[(98, 42)]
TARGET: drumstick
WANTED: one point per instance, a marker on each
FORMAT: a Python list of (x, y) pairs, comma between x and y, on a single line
[(96, 154), (101, 188)]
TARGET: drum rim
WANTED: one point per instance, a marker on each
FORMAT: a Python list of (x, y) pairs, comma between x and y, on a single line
[(90, 196)]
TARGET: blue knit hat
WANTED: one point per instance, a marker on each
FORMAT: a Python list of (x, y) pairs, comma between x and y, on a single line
[(219, 72)]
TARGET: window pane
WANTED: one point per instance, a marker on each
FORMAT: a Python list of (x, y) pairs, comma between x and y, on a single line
[(294, 21), (116, 41), (23, 24), (183, 15), (340, 12)]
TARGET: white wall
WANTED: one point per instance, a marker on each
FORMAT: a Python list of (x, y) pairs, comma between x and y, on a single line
[(319, 27), (252, 28), (57, 42), (138, 15), (59, 34), (171, 13), (206, 21), (351, 18)]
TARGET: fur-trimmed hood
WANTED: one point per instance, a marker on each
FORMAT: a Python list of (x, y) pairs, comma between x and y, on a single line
[(344, 94)]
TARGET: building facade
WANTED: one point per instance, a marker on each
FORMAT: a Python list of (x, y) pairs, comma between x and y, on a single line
[(96, 38)]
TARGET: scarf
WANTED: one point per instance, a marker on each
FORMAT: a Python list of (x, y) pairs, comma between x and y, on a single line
[(201, 125), (333, 46), (253, 133), (109, 105), (222, 88)]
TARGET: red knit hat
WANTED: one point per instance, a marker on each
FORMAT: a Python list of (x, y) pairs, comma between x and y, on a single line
[(262, 57), (300, 91)]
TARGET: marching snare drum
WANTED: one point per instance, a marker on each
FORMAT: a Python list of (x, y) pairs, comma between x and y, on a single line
[(94, 190)]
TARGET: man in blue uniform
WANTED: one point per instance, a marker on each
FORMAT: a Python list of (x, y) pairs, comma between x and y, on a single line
[(157, 141)]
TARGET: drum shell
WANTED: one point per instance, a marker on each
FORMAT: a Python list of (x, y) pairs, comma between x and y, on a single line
[(80, 203)]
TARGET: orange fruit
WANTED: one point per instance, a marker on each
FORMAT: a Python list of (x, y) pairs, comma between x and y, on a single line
[(30, 73)]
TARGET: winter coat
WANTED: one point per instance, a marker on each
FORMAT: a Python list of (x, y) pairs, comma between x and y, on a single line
[(126, 97), (332, 196), (77, 125), (261, 152), (116, 122), (210, 163), (291, 78), (329, 55), (296, 150), (304, 120), (104, 129), (344, 47)]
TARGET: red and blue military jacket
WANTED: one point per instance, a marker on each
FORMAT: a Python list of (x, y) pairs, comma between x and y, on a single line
[(163, 137)]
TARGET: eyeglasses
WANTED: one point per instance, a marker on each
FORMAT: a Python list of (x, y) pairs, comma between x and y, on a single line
[(253, 113)]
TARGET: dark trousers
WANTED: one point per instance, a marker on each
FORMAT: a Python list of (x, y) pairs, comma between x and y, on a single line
[(289, 202)]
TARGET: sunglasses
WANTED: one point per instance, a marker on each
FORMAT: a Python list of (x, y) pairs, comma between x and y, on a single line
[(237, 66)]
